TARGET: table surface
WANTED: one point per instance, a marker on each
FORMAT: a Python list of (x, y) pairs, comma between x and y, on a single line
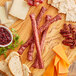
[(24, 29)]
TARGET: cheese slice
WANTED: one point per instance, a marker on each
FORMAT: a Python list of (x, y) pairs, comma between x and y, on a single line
[(19, 9), (3, 16), (63, 74), (62, 67), (59, 50), (50, 69), (13, 19), (8, 5), (55, 72), (57, 67), (56, 60)]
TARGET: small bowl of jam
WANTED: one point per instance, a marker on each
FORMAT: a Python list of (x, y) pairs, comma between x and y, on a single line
[(6, 36)]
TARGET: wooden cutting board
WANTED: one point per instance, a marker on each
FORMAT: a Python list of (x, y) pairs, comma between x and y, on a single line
[(24, 29)]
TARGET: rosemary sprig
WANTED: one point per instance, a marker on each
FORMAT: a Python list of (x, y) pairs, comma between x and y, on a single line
[(13, 45)]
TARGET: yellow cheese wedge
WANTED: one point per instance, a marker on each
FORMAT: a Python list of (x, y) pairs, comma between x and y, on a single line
[(57, 67), (55, 72), (62, 74), (62, 67), (56, 60), (59, 50), (50, 69), (19, 9)]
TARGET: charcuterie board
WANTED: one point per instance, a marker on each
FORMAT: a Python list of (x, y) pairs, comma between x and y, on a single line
[(53, 37)]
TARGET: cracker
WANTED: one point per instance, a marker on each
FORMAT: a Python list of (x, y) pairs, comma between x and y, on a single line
[(67, 7), (63, 7), (71, 16), (57, 1), (71, 4), (56, 5)]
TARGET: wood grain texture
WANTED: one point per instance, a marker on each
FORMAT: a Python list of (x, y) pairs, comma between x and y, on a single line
[(24, 29)]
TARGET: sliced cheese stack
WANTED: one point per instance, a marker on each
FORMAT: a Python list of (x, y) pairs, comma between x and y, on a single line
[(19, 9), (50, 69), (59, 65), (61, 61), (3, 16), (12, 66), (12, 11), (8, 5)]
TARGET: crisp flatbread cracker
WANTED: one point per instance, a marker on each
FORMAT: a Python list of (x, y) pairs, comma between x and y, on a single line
[(71, 16), (56, 5), (67, 7), (57, 1), (70, 4), (62, 7)]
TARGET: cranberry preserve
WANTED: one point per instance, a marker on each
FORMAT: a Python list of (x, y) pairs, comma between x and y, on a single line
[(5, 36)]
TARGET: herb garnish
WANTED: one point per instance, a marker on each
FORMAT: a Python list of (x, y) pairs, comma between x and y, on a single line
[(13, 45)]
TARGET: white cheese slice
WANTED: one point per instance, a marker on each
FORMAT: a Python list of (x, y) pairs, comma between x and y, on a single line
[(3, 16), (19, 9), (8, 5), (13, 19)]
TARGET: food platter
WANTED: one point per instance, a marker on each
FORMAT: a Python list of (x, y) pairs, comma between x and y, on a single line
[(24, 30)]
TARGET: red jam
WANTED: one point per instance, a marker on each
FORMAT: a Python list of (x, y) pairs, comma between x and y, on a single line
[(5, 36)]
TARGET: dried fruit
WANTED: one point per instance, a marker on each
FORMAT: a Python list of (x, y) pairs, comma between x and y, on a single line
[(69, 33)]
